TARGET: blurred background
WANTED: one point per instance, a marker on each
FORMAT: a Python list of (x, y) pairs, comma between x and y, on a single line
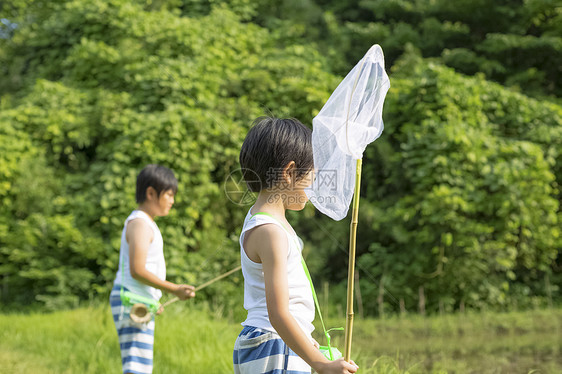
[(459, 236)]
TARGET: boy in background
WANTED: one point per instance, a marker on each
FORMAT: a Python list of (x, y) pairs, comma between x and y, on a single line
[(142, 268)]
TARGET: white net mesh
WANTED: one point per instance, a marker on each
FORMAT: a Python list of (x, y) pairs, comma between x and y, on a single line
[(348, 122)]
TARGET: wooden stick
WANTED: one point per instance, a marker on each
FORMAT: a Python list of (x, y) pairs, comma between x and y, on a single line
[(351, 267), (205, 284), (353, 231)]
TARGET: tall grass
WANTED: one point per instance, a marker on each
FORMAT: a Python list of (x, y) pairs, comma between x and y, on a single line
[(196, 339), (517, 342), (187, 340)]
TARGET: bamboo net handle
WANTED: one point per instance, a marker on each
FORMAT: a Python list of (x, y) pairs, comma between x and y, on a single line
[(351, 268), (208, 283)]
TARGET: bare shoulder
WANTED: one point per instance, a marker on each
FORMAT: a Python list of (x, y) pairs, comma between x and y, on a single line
[(139, 230), (268, 240)]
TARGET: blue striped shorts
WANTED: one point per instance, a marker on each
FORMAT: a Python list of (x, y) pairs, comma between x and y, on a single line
[(261, 351), (136, 340)]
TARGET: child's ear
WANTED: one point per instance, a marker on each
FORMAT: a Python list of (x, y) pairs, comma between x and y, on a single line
[(151, 194), (289, 172)]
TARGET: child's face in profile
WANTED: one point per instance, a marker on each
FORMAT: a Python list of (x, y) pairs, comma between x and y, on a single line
[(296, 198), (165, 202)]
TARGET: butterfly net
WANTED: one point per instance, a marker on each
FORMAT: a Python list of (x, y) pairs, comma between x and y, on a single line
[(348, 122)]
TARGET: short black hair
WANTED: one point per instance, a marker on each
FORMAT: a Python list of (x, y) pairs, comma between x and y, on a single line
[(270, 145), (156, 176)]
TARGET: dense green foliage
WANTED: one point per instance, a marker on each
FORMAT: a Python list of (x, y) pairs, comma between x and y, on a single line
[(466, 184), (460, 195), (516, 42), (99, 89)]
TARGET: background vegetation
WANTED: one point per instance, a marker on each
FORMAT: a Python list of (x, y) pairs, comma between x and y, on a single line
[(461, 195)]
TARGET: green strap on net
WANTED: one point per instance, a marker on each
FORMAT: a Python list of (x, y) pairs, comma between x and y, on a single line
[(330, 353)]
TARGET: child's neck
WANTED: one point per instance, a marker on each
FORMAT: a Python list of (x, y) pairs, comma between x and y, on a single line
[(146, 208), (269, 202), (272, 203)]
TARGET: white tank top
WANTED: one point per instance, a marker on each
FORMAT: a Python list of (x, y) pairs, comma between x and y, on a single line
[(155, 262), (301, 304)]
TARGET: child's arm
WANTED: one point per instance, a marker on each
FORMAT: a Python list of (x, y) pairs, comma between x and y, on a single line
[(270, 244), (139, 235)]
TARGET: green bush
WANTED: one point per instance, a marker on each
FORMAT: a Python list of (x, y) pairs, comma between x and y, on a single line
[(460, 195)]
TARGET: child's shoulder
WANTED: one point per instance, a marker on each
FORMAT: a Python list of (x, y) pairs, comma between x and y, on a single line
[(265, 239), (139, 216), (264, 230), (139, 225)]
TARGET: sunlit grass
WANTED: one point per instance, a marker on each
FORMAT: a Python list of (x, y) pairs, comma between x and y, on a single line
[(517, 342), (198, 339), (85, 341)]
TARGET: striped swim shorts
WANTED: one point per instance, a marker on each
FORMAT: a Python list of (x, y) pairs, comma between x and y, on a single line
[(136, 340), (261, 351)]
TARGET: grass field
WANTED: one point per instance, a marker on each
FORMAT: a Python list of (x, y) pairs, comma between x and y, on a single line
[(190, 339)]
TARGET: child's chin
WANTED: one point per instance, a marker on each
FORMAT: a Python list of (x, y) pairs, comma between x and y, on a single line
[(297, 207)]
